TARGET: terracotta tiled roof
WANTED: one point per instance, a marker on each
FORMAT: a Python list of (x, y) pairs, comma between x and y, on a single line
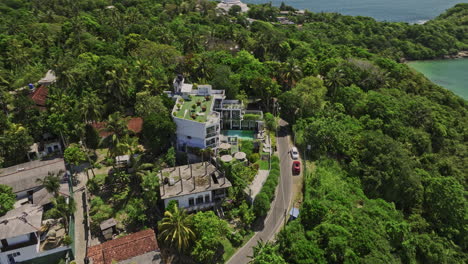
[(39, 96), (124, 247), (134, 124)]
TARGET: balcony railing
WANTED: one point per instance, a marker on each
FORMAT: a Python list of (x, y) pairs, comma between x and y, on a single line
[(212, 134), (214, 145), (201, 206)]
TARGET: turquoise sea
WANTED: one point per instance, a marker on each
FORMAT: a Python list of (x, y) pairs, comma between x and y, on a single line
[(411, 11), (451, 74)]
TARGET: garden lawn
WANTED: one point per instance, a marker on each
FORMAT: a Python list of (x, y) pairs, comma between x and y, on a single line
[(186, 109)]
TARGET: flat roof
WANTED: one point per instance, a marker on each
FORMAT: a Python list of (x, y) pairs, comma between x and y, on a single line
[(23, 177), (20, 221), (186, 109), (43, 197), (199, 180)]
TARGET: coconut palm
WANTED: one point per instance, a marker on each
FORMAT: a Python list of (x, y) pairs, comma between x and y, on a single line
[(291, 73), (139, 168), (117, 127), (64, 208), (117, 83), (176, 228), (90, 107), (51, 182)]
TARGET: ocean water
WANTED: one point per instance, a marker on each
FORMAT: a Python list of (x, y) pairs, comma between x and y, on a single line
[(450, 74), (411, 11)]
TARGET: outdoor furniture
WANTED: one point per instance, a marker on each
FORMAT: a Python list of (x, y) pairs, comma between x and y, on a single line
[(226, 158), (225, 146), (240, 156)]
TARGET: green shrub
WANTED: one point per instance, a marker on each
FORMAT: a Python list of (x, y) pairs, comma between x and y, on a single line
[(256, 166), (254, 157), (67, 240), (247, 147), (267, 193), (261, 205), (269, 189), (235, 238)]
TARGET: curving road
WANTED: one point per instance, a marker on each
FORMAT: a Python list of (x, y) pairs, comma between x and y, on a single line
[(280, 206)]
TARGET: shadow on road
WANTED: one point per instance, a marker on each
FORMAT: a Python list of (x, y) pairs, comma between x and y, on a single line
[(85, 216)]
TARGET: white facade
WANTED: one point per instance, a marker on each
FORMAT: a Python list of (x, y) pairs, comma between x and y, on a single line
[(28, 251), (227, 4), (185, 200), (195, 134), (49, 147)]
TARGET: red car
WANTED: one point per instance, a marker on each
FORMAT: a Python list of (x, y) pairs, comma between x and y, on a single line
[(296, 167)]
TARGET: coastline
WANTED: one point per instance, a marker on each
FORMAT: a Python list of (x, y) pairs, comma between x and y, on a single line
[(463, 54), (447, 73)]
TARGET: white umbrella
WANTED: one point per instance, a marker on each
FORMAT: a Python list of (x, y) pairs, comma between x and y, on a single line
[(225, 146), (240, 155), (226, 158)]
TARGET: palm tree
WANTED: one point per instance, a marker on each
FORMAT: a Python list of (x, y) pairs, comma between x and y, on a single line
[(176, 228), (90, 107), (51, 182), (117, 127), (139, 168), (291, 73), (117, 83), (64, 208), (334, 80)]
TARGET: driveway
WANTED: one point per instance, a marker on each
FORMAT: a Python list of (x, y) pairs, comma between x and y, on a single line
[(280, 206)]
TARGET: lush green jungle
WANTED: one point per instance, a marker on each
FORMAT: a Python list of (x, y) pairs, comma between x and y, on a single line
[(389, 146)]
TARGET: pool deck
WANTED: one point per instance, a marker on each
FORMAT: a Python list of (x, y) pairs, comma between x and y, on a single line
[(240, 134)]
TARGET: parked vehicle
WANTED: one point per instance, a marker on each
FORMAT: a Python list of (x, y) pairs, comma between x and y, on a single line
[(294, 153), (296, 167)]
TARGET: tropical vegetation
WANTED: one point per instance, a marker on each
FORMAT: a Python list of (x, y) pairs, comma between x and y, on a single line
[(389, 146)]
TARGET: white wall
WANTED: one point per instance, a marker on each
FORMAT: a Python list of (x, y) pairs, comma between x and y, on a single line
[(25, 254), (190, 128), (52, 145), (184, 200), (16, 240)]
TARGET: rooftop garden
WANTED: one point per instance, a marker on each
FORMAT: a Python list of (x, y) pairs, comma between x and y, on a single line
[(196, 109)]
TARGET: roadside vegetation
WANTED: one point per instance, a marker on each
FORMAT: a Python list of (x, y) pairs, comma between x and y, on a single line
[(390, 145)]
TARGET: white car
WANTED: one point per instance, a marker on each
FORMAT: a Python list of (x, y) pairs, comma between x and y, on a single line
[(294, 153)]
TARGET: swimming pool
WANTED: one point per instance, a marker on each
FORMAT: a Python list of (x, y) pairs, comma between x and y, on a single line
[(241, 134)]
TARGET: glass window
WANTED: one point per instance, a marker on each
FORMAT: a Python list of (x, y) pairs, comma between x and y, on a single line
[(191, 202), (200, 199), (207, 198)]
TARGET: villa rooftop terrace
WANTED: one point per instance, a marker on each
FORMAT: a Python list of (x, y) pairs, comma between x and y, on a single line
[(186, 108), (203, 177)]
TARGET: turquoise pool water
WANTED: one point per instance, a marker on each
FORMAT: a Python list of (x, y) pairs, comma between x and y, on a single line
[(241, 134)]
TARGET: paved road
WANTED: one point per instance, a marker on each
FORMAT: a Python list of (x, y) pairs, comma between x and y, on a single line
[(275, 218), (80, 231)]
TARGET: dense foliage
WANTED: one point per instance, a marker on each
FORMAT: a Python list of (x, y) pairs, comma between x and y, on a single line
[(7, 199), (397, 141)]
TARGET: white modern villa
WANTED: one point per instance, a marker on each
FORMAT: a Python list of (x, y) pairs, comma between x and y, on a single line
[(201, 113), (227, 4)]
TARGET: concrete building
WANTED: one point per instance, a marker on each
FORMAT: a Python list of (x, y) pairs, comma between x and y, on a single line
[(225, 5), (200, 114), (195, 187), (20, 235), (23, 177)]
